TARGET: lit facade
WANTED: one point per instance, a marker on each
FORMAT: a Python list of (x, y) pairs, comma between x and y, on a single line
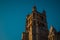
[(53, 34), (36, 26), (37, 29)]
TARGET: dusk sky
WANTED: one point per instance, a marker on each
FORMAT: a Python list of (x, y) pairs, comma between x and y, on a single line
[(13, 16)]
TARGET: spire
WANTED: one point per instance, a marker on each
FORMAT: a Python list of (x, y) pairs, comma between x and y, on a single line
[(34, 8), (52, 29)]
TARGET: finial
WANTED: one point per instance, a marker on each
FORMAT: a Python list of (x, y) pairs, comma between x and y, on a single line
[(34, 8)]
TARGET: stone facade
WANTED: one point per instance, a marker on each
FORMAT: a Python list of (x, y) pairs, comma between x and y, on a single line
[(53, 34), (36, 27), (58, 35)]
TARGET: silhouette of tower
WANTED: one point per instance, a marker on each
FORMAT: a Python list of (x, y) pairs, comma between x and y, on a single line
[(36, 26)]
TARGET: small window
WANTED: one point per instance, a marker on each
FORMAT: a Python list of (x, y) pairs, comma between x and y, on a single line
[(42, 18), (33, 15), (34, 23), (42, 25)]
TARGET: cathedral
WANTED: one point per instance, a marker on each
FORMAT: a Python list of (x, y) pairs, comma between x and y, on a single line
[(36, 27)]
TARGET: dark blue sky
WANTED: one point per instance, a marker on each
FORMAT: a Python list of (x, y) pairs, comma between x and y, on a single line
[(13, 15)]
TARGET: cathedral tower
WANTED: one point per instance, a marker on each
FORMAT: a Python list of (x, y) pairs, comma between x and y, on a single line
[(36, 26)]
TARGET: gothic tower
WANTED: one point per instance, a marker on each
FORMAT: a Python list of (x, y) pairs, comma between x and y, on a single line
[(36, 26)]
